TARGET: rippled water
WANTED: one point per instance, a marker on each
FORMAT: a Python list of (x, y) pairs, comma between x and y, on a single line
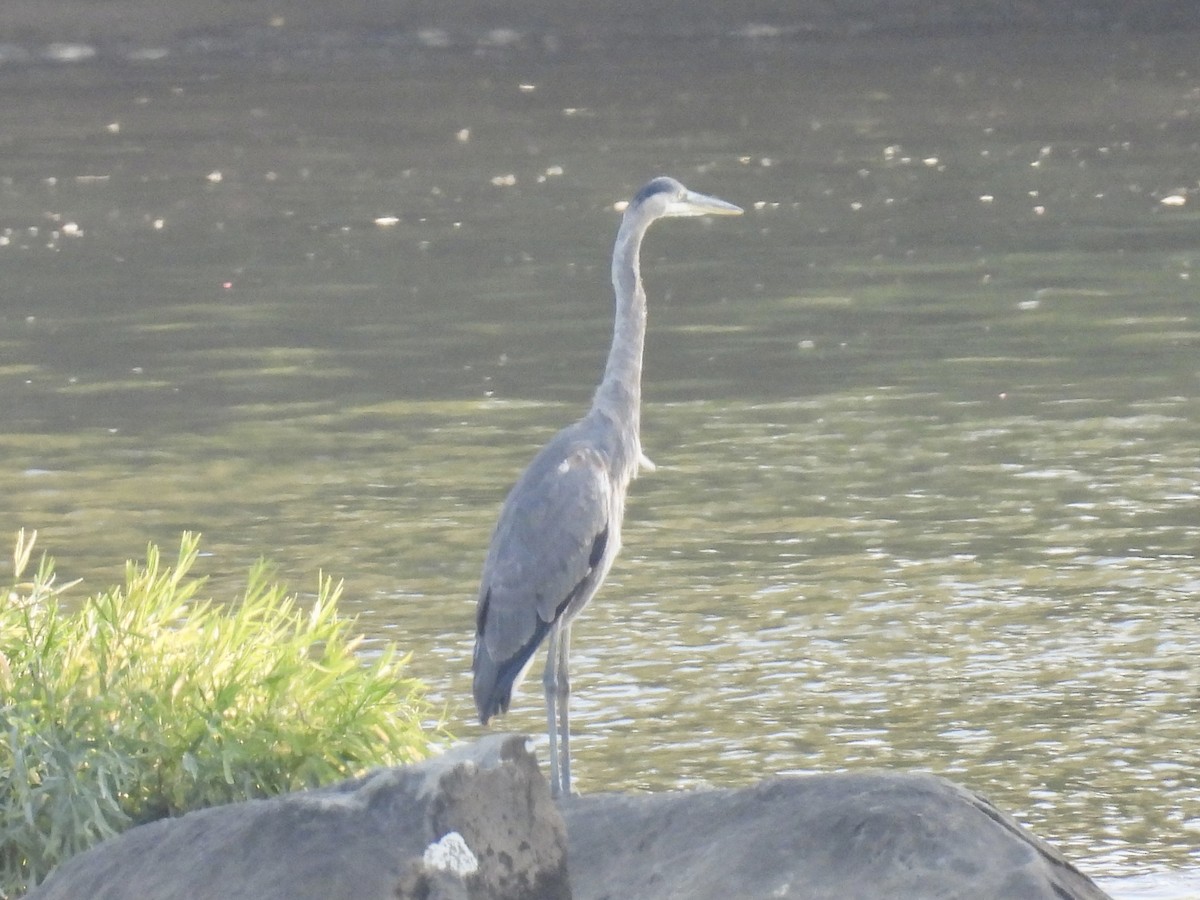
[(925, 419)]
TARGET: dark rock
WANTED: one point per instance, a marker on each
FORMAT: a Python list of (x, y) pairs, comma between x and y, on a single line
[(404, 833), (479, 823), (869, 835)]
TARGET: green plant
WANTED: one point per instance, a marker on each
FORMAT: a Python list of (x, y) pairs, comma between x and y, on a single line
[(143, 702)]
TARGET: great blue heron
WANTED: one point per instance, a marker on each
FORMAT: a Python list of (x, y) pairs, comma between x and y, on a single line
[(560, 527)]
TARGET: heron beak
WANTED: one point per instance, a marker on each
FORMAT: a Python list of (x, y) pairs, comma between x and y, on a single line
[(693, 204)]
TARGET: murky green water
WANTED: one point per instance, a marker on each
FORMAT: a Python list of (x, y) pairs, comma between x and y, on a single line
[(926, 419)]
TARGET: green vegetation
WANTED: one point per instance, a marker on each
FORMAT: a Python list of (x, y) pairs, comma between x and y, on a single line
[(143, 702)]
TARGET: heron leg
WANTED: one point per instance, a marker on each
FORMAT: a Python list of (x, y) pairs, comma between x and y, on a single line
[(564, 704), (550, 686)]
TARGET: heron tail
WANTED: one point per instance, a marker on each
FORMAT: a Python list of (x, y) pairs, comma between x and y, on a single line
[(496, 680)]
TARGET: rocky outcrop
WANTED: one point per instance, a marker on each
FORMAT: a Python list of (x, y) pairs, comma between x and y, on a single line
[(479, 823), (476, 823), (823, 837)]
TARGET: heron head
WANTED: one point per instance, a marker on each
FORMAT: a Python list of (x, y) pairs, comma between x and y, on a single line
[(667, 197)]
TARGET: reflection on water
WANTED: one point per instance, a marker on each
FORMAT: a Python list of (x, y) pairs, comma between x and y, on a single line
[(925, 421)]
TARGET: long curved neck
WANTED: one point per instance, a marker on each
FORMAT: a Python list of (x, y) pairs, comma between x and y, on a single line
[(620, 392)]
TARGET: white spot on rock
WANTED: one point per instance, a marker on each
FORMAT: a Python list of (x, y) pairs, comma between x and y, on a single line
[(451, 854)]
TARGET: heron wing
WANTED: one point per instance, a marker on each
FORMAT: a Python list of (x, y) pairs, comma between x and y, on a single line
[(550, 538)]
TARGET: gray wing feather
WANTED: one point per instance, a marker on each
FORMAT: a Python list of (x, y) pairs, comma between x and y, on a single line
[(543, 543)]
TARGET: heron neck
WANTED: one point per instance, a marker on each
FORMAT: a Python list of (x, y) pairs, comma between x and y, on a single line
[(620, 391)]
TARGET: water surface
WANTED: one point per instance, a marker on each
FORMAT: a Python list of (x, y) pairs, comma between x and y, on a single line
[(925, 419)]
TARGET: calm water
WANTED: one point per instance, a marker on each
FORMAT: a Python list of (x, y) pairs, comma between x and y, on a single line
[(926, 419)]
